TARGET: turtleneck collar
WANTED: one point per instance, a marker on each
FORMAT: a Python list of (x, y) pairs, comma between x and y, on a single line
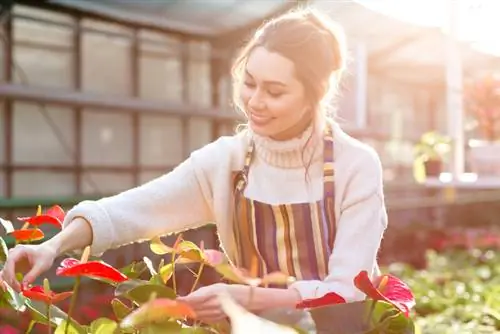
[(291, 153)]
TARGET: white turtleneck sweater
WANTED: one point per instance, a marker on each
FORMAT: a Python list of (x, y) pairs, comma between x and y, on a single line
[(199, 191)]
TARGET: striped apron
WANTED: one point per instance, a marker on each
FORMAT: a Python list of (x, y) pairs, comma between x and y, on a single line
[(296, 239)]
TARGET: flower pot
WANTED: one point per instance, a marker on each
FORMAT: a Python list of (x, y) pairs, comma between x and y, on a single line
[(484, 158), (433, 167)]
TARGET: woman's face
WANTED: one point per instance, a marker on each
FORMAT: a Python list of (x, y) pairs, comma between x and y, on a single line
[(274, 99)]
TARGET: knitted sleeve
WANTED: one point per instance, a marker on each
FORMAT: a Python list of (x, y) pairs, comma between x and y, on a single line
[(176, 201)]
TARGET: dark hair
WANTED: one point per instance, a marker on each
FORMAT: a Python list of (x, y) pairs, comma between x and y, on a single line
[(313, 42)]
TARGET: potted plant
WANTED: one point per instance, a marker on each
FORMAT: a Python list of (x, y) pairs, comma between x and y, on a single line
[(430, 152)]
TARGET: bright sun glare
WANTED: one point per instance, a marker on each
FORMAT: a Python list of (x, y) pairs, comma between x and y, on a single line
[(479, 22)]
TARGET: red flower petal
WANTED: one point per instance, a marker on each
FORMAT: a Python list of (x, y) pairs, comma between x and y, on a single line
[(38, 293), (27, 234), (53, 216), (330, 298), (57, 212), (58, 297), (363, 283), (395, 291), (91, 269), (398, 292)]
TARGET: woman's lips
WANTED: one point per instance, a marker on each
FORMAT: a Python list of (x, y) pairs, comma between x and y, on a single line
[(260, 120)]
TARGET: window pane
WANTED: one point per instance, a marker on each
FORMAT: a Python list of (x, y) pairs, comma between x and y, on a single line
[(148, 176), (226, 129), (2, 184), (157, 143), (43, 184), (199, 85), (26, 30), (41, 38), (107, 139), (160, 67), (55, 72), (105, 183), (225, 92), (160, 78), (36, 142), (106, 60), (2, 133), (200, 132)]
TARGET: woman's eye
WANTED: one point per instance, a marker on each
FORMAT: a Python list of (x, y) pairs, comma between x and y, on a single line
[(275, 94), (249, 84)]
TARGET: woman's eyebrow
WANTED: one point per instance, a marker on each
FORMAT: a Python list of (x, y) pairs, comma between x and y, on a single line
[(268, 82)]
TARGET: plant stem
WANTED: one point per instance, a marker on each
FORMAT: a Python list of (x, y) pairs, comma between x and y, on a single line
[(372, 308), (72, 303), (174, 283), (198, 275), (48, 318)]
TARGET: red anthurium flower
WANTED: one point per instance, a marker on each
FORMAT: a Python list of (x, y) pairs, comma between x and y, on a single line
[(38, 293), (330, 298), (387, 288), (27, 234), (72, 267), (53, 216)]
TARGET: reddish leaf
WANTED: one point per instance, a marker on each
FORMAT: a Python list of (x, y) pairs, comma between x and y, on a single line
[(95, 269), (53, 216), (157, 309), (213, 257), (27, 234), (38, 293), (393, 291), (330, 298)]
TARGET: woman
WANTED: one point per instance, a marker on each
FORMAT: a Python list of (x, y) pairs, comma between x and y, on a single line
[(291, 192)]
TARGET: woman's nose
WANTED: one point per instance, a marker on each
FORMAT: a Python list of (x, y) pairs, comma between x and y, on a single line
[(255, 102)]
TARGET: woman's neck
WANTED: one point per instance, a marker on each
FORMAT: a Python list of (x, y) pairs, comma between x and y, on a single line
[(295, 152)]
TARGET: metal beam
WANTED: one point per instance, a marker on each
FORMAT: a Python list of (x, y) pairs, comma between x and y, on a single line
[(381, 56), (116, 104)]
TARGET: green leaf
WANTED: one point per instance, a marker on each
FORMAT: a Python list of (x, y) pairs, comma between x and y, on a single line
[(388, 319), (166, 272), (4, 251), (157, 311), (73, 328), (166, 327), (230, 273), (149, 265), (124, 287), (14, 299), (39, 310), (142, 293), (120, 309), (103, 326), (158, 247), (196, 330), (134, 270), (30, 326), (7, 225)]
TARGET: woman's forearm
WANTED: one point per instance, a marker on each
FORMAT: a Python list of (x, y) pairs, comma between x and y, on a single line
[(76, 235), (267, 298)]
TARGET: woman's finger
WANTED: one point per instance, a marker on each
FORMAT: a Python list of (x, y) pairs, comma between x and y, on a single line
[(211, 316), (15, 256)]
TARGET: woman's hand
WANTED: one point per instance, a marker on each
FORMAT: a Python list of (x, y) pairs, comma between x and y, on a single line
[(30, 260), (205, 301)]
